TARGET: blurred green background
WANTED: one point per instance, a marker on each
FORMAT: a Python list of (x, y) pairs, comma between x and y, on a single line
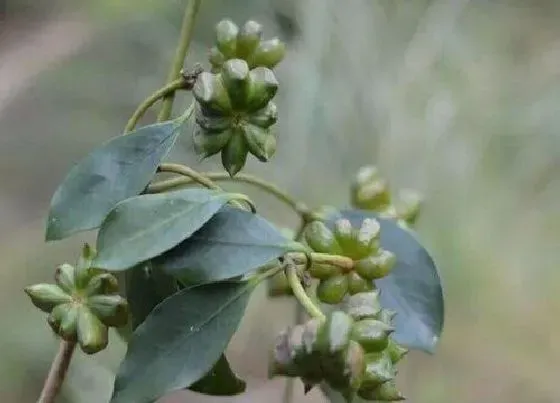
[(458, 99)]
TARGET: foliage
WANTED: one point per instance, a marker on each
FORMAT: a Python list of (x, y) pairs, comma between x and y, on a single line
[(192, 257)]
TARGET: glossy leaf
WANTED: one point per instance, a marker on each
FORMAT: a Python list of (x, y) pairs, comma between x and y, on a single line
[(232, 243), (119, 169), (145, 226), (180, 341), (220, 381), (413, 289)]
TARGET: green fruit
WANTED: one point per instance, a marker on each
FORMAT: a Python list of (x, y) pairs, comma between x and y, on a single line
[(216, 58), (408, 207), (208, 144), (226, 37), (265, 117), (396, 351), (372, 334), (258, 141), (234, 154), (320, 238), (68, 321), (211, 122), (248, 39), (324, 271), (84, 272), (379, 369), (333, 290), (334, 335), (367, 238), (112, 310), (263, 86), (58, 316), (235, 75), (357, 284), (376, 266), (210, 92), (345, 236), (65, 278), (344, 372), (386, 392), (47, 296), (363, 305), (104, 283), (92, 333), (268, 54)]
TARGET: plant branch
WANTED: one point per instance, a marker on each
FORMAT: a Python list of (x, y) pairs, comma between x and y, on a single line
[(299, 292), (268, 187), (185, 37), (57, 373), (151, 100)]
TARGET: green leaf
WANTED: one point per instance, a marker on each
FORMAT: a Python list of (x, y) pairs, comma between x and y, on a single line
[(220, 381), (413, 289), (145, 289), (120, 168), (232, 243), (144, 226), (180, 341)]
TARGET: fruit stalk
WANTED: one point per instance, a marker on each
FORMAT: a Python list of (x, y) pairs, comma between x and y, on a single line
[(58, 370)]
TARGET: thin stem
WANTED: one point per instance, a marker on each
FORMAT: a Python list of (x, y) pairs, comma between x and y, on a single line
[(185, 37), (59, 368), (197, 177), (151, 100), (190, 176), (300, 315), (280, 194), (343, 262), (300, 294)]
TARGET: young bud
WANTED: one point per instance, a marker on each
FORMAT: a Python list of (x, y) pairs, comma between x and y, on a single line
[(367, 239), (47, 296), (265, 117), (324, 271), (278, 285), (248, 39), (234, 154), (379, 369), (268, 54), (65, 278), (376, 266), (358, 284), (235, 75), (226, 37), (104, 283), (396, 351), (216, 58), (112, 310), (373, 335), (363, 305), (258, 141), (263, 86), (92, 334), (208, 144), (333, 290), (321, 239), (210, 92)]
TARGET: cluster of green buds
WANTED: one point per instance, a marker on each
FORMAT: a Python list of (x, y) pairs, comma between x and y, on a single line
[(370, 191), (371, 261), (351, 351), (82, 303), (234, 112)]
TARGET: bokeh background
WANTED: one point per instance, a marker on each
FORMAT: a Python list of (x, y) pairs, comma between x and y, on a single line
[(458, 99)]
